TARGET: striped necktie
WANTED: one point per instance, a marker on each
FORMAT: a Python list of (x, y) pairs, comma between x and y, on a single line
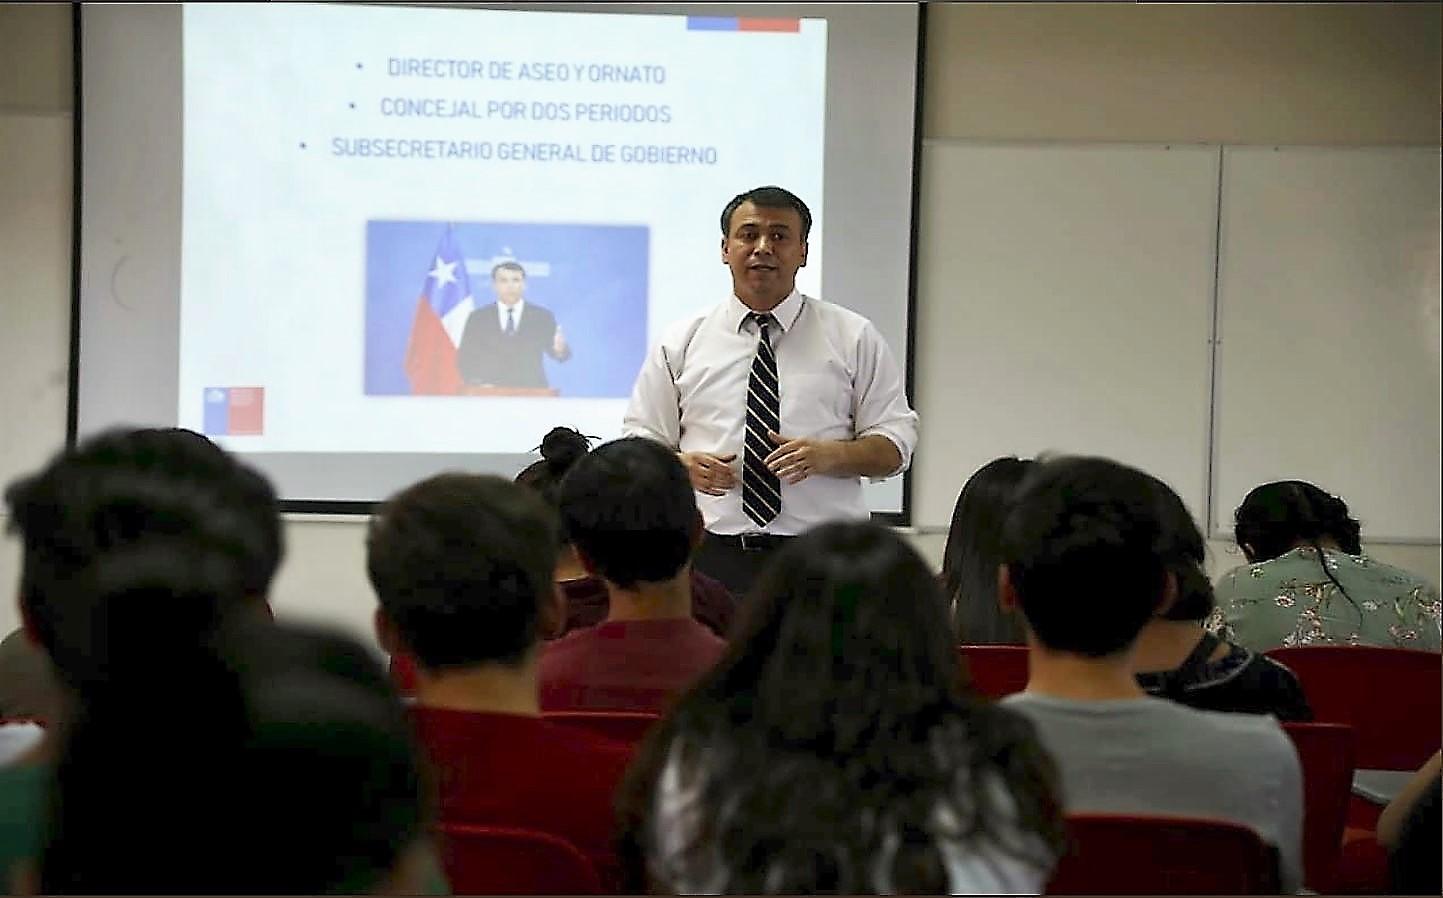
[(761, 489)]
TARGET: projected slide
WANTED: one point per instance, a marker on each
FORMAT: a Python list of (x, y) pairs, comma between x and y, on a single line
[(414, 230)]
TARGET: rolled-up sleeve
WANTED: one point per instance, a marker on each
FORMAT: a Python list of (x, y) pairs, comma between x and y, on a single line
[(881, 406), (654, 411)]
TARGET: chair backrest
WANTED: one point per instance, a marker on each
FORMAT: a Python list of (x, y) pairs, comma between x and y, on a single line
[(1325, 751), (995, 671), (1392, 698), (1160, 855), (495, 860), (620, 726)]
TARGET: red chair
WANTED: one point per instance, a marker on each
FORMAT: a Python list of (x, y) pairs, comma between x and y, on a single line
[(1325, 751), (995, 670), (1392, 698), (620, 726), (494, 860), (1134, 855)]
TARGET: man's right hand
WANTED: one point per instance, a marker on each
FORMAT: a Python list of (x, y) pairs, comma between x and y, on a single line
[(711, 474)]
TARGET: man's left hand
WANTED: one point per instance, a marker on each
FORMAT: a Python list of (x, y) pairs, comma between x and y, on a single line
[(558, 343), (796, 459)]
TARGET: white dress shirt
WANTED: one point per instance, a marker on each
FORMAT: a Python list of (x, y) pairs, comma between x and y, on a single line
[(501, 308), (838, 380)]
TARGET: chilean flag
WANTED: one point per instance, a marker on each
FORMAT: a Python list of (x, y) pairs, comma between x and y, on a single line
[(441, 315)]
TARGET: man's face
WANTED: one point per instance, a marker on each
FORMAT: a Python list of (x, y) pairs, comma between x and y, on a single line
[(509, 285), (764, 248)]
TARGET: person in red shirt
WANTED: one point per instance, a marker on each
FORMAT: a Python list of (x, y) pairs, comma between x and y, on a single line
[(630, 513), (462, 566)]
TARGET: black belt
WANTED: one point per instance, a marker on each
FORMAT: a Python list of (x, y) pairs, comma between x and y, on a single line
[(751, 542)]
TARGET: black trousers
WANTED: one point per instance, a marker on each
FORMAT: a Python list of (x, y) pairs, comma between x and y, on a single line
[(736, 560)]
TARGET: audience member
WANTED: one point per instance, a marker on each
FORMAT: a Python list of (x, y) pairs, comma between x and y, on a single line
[(277, 762), (120, 492), (1308, 581), (1409, 828), (1086, 546), (973, 554), (1178, 659), (462, 565), (586, 595), (834, 747), (631, 515)]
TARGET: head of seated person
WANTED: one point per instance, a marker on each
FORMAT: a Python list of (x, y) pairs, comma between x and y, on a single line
[(462, 565), (284, 767), (973, 553), (561, 449), (129, 490), (1276, 518), (1089, 552), (631, 515), (833, 739)]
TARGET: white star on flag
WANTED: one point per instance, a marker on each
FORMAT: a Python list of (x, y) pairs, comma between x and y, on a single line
[(444, 273), (216, 396)]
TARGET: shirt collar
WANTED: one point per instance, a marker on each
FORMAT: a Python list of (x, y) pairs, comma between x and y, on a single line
[(785, 313)]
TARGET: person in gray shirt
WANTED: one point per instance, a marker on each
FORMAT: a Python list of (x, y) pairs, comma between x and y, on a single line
[(1088, 546)]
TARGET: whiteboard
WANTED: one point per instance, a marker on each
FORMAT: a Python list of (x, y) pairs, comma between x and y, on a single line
[(1064, 304), (1328, 365)]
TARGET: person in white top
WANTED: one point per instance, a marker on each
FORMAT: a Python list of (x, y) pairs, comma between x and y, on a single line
[(777, 403)]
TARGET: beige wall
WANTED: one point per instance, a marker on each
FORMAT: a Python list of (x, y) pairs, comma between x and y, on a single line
[(1231, 73), (1332, 74)]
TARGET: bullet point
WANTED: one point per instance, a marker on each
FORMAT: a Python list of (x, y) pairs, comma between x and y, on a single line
[(352, 105), (303, 144), (358, 65)]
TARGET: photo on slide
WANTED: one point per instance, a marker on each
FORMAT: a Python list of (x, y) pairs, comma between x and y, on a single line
[(504, 309)]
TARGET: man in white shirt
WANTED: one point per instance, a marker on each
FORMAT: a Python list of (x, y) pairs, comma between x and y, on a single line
[(777, 403)]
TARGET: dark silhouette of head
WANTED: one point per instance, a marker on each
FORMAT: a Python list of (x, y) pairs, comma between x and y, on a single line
[(561, 449), (462, 566), (166, 491), (285, 768), (630, 512), (1089, 545), (974, 553)]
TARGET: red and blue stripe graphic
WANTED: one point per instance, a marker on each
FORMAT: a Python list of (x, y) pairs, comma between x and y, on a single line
[(730, 23)]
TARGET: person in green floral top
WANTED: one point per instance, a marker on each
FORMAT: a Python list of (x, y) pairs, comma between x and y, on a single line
[(1308, 581)]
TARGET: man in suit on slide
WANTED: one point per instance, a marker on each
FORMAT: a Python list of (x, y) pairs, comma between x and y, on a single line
[(503, 342)]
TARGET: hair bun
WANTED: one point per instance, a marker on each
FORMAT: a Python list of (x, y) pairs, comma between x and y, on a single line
[(562, 447)]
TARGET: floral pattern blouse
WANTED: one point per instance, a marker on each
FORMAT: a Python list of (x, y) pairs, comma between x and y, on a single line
[(1290, 601)]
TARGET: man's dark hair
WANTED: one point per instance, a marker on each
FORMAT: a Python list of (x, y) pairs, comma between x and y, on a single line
[(507, 266), (1088, 544), (126, 491), (767, 198), (461, 564), (629, 509)]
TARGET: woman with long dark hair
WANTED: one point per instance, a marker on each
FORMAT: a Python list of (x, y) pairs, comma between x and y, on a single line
[(1308, 581), (836, 748), (974, 552)]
